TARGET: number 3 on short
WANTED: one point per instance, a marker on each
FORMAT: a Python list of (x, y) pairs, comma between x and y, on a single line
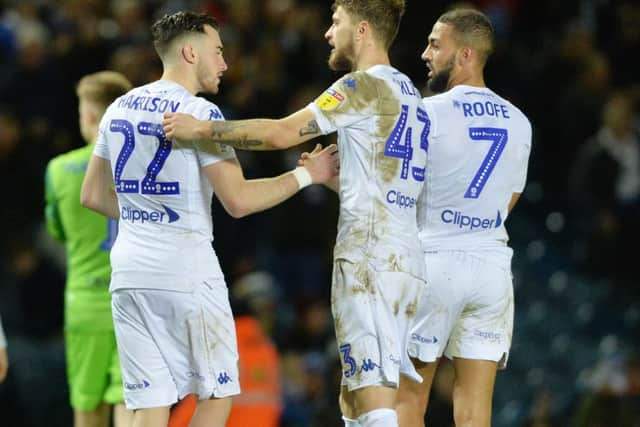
[(499, 137), (149, 183), (345, 349)]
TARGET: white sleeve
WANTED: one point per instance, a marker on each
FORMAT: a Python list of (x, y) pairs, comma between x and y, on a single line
[(3, 340), (346, 102), (101, 148)]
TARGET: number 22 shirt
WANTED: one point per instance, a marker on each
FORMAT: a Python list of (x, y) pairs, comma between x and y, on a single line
[(164, 198)]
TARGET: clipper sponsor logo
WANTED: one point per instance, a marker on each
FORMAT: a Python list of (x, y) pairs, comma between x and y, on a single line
[(141, 216), (137, 386), (491, 336), (194, 374), (470, 222), (424, 340), (397, 198)]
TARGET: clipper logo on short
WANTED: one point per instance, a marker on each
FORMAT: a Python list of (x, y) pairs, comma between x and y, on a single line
[(487, 335), (194, 374), (224, 378), (424, 340), (137, 386), (470, 222), (141, 216)]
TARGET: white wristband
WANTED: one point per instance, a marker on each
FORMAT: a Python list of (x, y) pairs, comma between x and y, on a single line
[(303, 177)]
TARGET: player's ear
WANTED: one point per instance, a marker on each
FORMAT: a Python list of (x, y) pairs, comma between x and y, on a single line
[(93, 116), (188, 53), (362, 28), (464, 55)]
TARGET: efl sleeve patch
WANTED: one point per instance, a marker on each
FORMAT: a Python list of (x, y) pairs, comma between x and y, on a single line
[(329, 100)]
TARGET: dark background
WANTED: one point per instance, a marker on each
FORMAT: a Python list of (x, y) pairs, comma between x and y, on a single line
[(574, 359)]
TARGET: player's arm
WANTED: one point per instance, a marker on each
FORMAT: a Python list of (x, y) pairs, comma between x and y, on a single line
[(255, 134), (51, 212), (514, 199), (241, 197), (97, 188)]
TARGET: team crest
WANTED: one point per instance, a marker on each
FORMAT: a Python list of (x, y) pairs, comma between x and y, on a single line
[(329, 100)]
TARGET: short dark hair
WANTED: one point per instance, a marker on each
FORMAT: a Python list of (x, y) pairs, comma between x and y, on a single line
[(383, 15), (471, 28), (169, 27)]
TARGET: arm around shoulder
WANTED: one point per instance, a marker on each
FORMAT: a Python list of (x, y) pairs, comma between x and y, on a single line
[(255, 134)]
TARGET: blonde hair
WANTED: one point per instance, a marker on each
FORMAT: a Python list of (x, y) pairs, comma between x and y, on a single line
[(102, 88)]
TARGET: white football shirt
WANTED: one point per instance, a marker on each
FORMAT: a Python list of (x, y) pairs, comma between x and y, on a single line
[(165, 227), (479, 145), (381, 127)]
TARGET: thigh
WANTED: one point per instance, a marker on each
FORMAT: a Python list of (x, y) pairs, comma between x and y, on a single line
[(484, 328)]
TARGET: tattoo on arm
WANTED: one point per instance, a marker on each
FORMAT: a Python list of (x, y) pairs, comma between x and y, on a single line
[(220, 131), (311, 129)]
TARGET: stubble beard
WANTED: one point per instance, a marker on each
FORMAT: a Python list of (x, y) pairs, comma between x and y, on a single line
[(440, 81), (339, 60)]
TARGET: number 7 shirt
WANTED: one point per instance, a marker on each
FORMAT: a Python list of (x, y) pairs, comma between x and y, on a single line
[(479, 145), (382, 130), (165, 226)]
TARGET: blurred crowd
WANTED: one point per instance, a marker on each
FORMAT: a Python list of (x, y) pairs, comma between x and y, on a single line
[(568, 65)]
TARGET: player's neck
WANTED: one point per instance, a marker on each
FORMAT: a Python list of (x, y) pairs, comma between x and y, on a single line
[(468, 79), (184, 79), (369, 58)]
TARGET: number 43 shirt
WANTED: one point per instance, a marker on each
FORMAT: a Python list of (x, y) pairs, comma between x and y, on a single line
[(382, 131), (165, 226), (479, 147)]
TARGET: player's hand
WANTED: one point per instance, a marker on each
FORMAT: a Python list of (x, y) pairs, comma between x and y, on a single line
[(4, 364), (183, 127), (322, 164), (305, 155)]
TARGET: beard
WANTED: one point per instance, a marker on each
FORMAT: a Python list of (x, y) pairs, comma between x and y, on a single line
[(341, 60), (440, 81)]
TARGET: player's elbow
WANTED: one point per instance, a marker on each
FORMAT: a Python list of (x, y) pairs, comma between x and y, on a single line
[(88, 199), (237, 208)]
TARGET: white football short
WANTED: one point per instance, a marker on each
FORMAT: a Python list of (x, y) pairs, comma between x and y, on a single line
[(175, 343), (372, 312), (466, 309)]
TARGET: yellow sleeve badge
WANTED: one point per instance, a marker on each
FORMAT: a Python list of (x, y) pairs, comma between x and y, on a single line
[(329, 100)]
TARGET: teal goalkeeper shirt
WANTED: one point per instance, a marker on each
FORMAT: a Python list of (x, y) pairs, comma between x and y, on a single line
[(88, 237)]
